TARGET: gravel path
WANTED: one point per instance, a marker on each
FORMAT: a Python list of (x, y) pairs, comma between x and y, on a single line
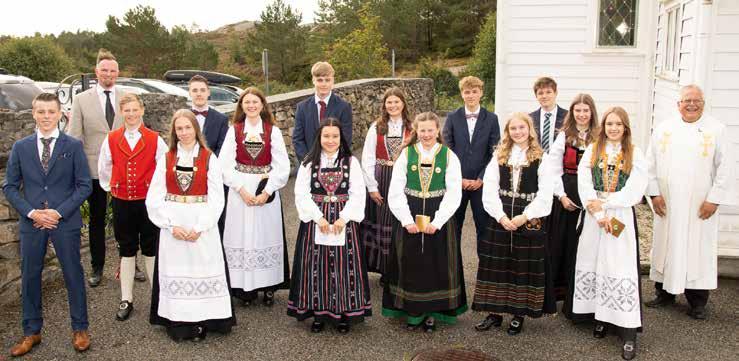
[(268, 334)]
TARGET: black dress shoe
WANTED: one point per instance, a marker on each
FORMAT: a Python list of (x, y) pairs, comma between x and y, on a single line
[(269, 298), (316, 327), (343, 327), (429, 325), (139, 276), (95, 278), (600, 330), (698, 313), (516, 326), (199, 334), (490, 321), (629, 350), (124, 311), (662, 299)]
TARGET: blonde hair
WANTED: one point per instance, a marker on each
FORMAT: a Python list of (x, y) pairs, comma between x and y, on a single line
[(130, 98), (104, 54), (425, 117), (322, 68), (503, 150), (627, 148), (189, 115), (470, 82)]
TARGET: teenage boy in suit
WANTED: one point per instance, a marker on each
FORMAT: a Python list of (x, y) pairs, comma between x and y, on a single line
[(549, 117), (47, 180), (472, 132), (323, 104)]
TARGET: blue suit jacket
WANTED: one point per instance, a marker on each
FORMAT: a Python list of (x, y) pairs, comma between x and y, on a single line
[(474, 156), (536, 115), (214, 130), (63, 188), (307, 122)]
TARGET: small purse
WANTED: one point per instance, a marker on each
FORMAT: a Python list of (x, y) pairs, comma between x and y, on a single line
[(260, 188)]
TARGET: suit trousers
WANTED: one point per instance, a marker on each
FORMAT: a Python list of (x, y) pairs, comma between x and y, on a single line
[(696, 298), (33, 251), (479, 215), (98, 202)]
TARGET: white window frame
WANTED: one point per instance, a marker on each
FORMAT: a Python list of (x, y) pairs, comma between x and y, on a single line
[(672, 40)]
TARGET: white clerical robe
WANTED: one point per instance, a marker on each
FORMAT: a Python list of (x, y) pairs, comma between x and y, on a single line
[(689, 163)]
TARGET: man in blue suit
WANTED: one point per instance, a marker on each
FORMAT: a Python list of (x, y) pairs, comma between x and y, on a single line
[(312, 110), (213, 124), (47, 180), (549, 117), (472, 133)]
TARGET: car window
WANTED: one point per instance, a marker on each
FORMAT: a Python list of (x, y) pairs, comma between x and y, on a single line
[(18, 96), (223, 95)]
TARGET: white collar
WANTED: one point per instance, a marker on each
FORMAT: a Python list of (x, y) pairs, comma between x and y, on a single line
[(249, 128), (101, 91), (397, 121), (613, 148), (316, 99), (553, 111), (429, 152), (329, 160), (54, 134), (203, 109), (182, 152), (477, 111), (132, 131)]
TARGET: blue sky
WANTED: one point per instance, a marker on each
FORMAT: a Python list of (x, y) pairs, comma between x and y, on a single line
[(25, 17)]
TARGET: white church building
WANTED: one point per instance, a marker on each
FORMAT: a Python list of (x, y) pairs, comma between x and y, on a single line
[(631, 53)]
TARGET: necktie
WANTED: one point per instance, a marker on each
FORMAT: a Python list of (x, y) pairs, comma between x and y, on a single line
[(109, 110), (46, 153), (203, 113), (545, 132), (471, 115), (323, 110)]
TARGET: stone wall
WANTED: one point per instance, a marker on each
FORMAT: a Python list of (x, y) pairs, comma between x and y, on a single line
[(363, 95)]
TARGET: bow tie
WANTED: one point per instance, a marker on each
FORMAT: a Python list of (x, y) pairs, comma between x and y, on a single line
[(471, 115), (203, 113)]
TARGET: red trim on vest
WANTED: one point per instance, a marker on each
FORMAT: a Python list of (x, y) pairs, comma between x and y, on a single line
[(199, 186), (132, 168), (381, 149), (569, 161), (264, 157)]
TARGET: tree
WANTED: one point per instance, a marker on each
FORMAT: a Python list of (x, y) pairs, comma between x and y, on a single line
[(35, 57), (361, 54), (483, 57), (280, 32), (81, 46)]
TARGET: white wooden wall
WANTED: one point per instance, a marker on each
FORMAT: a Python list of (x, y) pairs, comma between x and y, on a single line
[(557, 38)]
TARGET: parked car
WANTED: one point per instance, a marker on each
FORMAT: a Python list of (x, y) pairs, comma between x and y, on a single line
[(219, 94), (154, 86), (17, 92), (223, 89)]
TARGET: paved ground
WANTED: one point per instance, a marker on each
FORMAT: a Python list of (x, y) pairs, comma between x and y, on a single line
[(268, 334)]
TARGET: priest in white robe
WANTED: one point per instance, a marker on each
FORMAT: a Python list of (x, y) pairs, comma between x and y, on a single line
[(691, 173)]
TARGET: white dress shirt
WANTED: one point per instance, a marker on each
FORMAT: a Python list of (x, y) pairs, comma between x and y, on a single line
[(55, 135), (316, 99), (471, 122), (200, 117), (105, 161), (103, 98), (539, 207)]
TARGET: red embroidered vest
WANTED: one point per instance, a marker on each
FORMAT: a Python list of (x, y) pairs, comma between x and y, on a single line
[(571, 159), (381, 147), (254, 156), (132, 168), (199, 183)]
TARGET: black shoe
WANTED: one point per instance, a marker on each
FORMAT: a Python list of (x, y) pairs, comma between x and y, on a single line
[(95, 278), (269, 298), (429, 325), (124, 311), (490, 321), (316, 327), (343, 327), (600, 330), (698, 313), (516, 326), (139, 276), (662, 299), (200, 334), (629, 350)]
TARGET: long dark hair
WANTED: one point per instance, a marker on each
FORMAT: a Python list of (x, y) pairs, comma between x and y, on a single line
[(569, 126), (385, 116), (266, 113), (314, 155)]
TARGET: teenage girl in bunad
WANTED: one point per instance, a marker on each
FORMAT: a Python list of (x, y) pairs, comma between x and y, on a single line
[(424, 279), (511, 276), (190, 296), (255, 167), (329, 280), (612, 180), (385, 139), (579, 129)]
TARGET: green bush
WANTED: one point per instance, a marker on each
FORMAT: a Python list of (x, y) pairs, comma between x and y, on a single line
[(445, 83), (35, 57)]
